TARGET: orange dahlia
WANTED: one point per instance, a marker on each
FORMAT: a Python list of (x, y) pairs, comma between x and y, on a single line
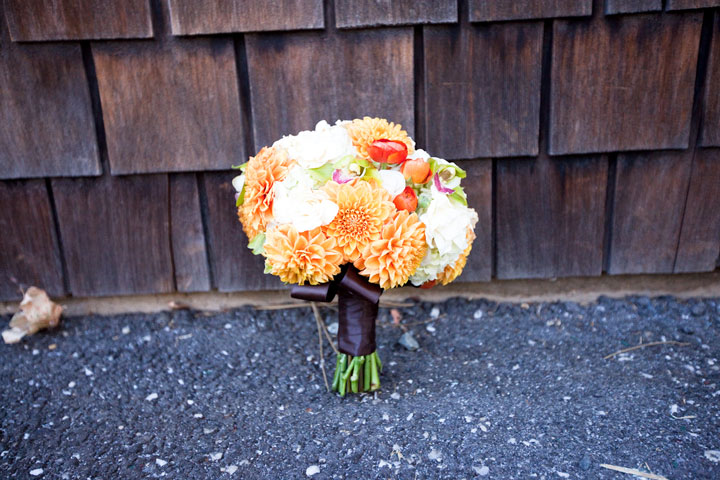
[(390, 260), (363, 209), (453, 271), (366, 131), (299, 257), (263, 170)]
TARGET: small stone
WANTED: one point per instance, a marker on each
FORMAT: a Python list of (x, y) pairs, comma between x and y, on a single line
[(395, 396), (216, 456), (160, 462), (151, 397), (585, 463), (88, 372), (712, 455), (430, 328), (312, 470), (435, 455), (408, 341), (435, 312), (231, 469), (37, 471), (563, 474), (478, 314), (482, 471), (698, 309), (333, 328), (125, 330)]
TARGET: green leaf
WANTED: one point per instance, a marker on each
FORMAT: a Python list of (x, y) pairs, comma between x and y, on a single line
[(424, 201), (268, 268), (240, 167), (241, 198), (321, 175), (459, 195), (371, 173), (438, 167), (257, 244)]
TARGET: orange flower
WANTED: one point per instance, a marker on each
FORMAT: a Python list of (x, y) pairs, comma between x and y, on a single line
[(363, 209), (366, 131), (263, 170), (295, 257), (453, 271), (390, 260)]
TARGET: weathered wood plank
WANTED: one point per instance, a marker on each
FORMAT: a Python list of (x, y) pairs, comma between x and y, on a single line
[(41, 20), (187, 236), (710, 128), (170, 105), (297, 79), (367, 13), (699, 246), (29, 253), (623, 83), (45, 111), (650, 191), (494, 10), (613, 7), (482, 89), (234, 266), (190, 17), (478, 186), (691, 4), (115, 233), (550, 216)]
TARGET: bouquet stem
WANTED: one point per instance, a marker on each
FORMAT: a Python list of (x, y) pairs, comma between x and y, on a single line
[(357, 374)]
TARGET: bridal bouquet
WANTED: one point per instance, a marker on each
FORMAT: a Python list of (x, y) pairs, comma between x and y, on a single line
[(352, 209)]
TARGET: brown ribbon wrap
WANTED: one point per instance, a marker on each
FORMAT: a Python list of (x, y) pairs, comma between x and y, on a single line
[(357, 308)]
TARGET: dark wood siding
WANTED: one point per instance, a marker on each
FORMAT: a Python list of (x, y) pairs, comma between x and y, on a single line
[(689, 4), (610, 76), (479, 265), (40, 20), (363, 13), (710, 133), (191, 17), (631, 6), (492, 10)]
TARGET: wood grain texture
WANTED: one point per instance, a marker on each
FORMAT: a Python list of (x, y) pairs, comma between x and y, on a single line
[(170, 105), (45, 111), (613, 7), (190, 17), (478, 186), (234, 266), (482, 90), (699, 246), (367, 13), (710, 129), (623, 83), (550, 216), (115, 233), (494, 10), (298, 79), (650, 190), (190, 258), (691, 4), (29, 253), (41, 20)]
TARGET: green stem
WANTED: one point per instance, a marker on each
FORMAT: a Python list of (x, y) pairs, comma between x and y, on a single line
[(367, 374), (356, 374)]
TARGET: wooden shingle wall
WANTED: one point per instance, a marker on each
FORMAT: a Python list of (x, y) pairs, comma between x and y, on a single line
[(590, 129)]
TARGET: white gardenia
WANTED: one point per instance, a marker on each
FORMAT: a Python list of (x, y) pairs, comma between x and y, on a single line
[(392, 181), (298, 204), (238, 183), (314, 148), (446, 223)]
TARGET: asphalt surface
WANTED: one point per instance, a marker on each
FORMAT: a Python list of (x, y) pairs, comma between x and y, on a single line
[(495, 391)]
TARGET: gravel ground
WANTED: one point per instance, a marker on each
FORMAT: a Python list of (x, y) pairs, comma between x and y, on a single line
[(495, 391)]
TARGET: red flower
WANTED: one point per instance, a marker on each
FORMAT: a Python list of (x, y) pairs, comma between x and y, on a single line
[(387, 151)]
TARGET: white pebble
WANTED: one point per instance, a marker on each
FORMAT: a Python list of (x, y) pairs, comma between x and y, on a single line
[(435, 312), (482, 471), (409, 417), (435, 455), (125, 330), (71, 385), (36, 352), (395, 396), (478, 314), (563, 474), (430, 328), (216, 456), (88, 372), (190, 402), (228, 326), (712, 455), (37, 471), (231, 469), (312, 470), (151, 397), (160, 463), (512, 441), (198, 415), (468, 419)]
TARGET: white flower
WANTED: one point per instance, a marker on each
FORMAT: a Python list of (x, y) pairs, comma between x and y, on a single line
[(419, 153), (298, 204), (392, 181), (314, 148), (446, 223), (238, 183)]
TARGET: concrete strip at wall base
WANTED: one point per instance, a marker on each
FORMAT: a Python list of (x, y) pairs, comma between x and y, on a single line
[(577, 289)]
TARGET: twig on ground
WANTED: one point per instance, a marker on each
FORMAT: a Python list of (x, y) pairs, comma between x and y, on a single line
[(633, 471), (684, 417), (394, 304), (643, 345), (321, 323), (320, 341)]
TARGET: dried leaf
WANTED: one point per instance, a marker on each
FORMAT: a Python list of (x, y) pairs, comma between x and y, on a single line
[(396, 316), (37, 312)]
